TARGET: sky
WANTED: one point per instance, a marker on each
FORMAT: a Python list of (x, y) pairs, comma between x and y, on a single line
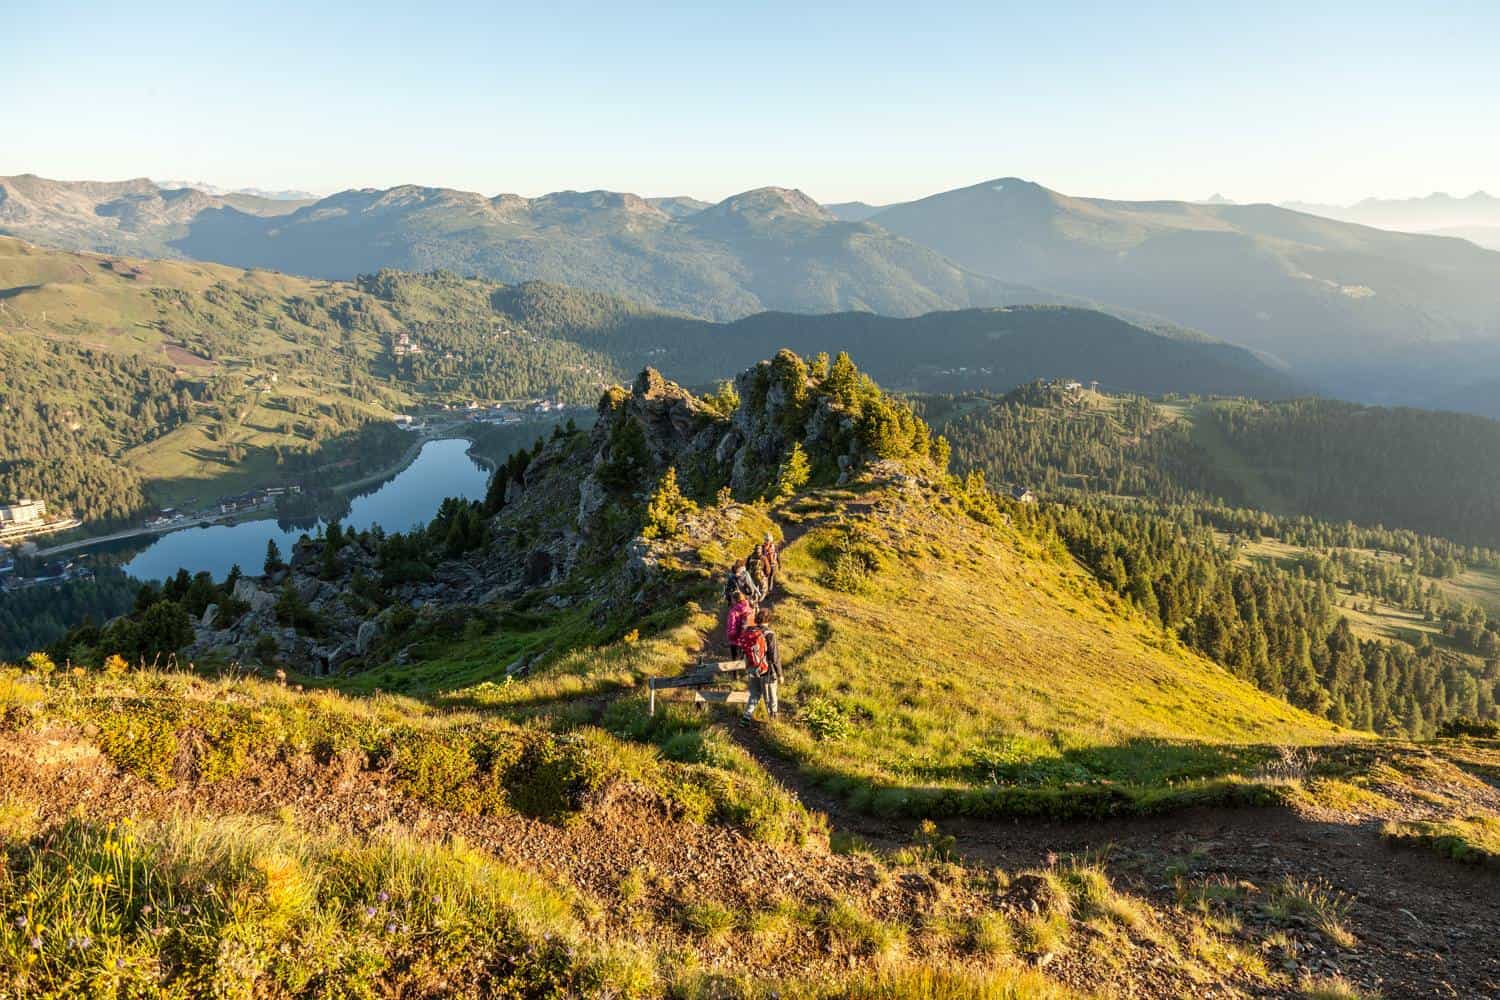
[(875, 101)]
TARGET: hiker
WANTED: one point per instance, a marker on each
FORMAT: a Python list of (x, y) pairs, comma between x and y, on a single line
[(768, 563), (739, 579), (762, 666), (741, 616)]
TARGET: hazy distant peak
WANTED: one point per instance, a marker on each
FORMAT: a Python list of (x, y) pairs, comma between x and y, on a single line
[(772, 202), (593, 201), (253, 192), (854, 211), (1217, 199), (680, 206)]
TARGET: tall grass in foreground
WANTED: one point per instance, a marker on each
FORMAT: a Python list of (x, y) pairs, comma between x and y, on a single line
[(237, 907)]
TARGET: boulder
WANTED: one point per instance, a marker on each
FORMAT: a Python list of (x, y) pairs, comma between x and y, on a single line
[(640, 561), (306, 587), (338, 656), (368, 632), (260, 601), (210, 615), (591, 499)]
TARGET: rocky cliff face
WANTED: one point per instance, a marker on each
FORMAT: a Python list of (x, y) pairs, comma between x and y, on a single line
[(574, 505)]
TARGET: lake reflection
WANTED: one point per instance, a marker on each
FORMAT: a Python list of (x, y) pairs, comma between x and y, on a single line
[(442, 469)]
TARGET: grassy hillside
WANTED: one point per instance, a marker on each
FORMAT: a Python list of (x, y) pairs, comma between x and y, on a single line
[(974, 661), (1384, 627)]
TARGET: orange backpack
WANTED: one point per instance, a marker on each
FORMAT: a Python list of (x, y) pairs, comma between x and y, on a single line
[(753, 644)]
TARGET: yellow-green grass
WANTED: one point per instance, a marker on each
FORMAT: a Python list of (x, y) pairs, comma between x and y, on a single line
[(973, 660), (1473, 839), (1475, 586), (237, 906), (147, 723)]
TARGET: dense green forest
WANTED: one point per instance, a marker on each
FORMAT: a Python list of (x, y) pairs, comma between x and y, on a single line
[(55, 445), (37, 617), (1430, 472)]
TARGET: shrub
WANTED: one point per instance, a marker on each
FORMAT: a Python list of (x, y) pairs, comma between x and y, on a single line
[(667, 509), (825, 720), (40, 664), (552, 777), (794, 472), (724, 400), (1465, 726)]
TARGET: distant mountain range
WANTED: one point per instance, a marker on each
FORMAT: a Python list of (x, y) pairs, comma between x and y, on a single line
[(1431, 214), (1366, 313), (253, 192), (1363, 313), (763, 249)]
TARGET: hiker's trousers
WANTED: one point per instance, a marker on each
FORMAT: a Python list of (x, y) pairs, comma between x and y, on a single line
[(763, 689)]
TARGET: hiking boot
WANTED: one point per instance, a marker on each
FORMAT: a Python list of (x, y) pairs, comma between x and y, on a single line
[(745, 720)]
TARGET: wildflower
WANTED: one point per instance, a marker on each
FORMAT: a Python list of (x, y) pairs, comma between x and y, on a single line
[(369, 913), (36, 942), (146, 910), (632, 637), (383, 897), (21, 922), (119, 963), (390, 928)]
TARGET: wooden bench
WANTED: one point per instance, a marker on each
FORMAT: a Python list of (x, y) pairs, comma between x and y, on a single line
[(689, 686)]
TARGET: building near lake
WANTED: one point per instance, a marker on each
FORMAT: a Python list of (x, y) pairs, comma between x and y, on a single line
[(22, 512)]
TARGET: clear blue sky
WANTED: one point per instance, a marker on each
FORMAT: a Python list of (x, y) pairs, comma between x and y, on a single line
[(874, 101)]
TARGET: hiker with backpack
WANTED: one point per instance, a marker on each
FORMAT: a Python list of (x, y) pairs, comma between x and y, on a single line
[(741, 616), (739, 579), (767, 563), (762, 666)]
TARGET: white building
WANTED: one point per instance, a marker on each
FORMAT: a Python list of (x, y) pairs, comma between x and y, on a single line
[(23, 511)]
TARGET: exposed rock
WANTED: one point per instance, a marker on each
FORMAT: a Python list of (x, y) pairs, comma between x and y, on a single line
[(591, 499), (368, 632), (210, 615), (260, 601), (640, 561), (539, 567), (339, 655), (306, 587)]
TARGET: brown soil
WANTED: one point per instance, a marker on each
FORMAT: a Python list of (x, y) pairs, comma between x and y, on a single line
[(184, 358)]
